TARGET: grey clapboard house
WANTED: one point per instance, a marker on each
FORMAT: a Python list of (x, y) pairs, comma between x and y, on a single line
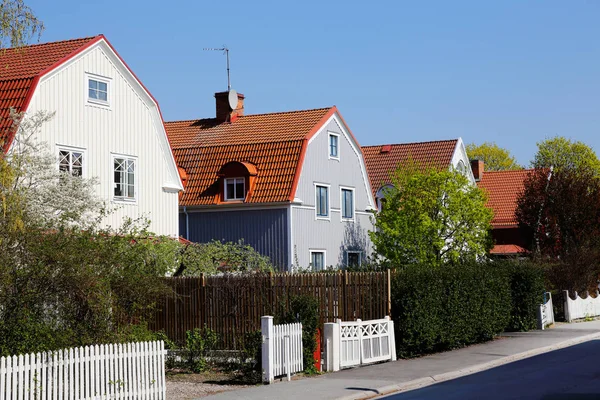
[(293, 185)]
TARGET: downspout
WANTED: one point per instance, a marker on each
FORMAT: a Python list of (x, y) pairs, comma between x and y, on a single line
[(187, 223)]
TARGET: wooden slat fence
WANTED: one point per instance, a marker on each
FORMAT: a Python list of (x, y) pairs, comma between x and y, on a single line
[(124, 371), (233, 305)]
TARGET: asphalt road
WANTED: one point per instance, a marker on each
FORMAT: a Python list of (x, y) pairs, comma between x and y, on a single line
[(566, 374)]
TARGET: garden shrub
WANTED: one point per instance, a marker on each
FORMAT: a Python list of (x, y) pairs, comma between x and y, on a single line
[(199, 342), (454, 305), (437, 309)]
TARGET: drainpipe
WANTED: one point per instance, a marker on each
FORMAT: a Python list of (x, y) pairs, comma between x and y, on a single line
[(187, 223)]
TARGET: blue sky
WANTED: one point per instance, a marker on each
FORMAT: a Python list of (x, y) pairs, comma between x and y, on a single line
[(512, 72)]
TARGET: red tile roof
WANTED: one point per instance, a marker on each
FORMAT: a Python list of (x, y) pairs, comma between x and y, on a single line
[(382, 160), (503, 189), (274, 143), (507, 249), (20, 69)]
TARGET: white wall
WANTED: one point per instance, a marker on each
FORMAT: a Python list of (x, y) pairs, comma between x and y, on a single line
[(332, 236), (131, 126)]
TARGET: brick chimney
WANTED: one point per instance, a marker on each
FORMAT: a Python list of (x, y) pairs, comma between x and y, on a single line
[(477, 167), (224, 113)]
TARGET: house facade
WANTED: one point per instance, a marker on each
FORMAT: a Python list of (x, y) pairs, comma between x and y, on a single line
[(383, 160), (106, 125), (503, 189), (293, 185)]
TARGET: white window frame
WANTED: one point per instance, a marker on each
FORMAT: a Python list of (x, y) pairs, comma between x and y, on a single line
[(329, 135), (136, 184), (234, 179), (98, 102), (354, 252), (72, 149), (322, 251), (351, 189), (328, 216)]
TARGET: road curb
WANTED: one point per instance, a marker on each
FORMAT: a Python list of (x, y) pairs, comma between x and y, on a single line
[(430, 380)]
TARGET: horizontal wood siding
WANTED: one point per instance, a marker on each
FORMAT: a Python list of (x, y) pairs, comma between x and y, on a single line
[(266, 230)]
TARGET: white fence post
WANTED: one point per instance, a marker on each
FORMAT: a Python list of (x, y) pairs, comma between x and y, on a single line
[(392, 337), (266, 328), (331, 336)]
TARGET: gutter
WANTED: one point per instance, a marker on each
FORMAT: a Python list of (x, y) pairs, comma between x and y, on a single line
[(187, 223)]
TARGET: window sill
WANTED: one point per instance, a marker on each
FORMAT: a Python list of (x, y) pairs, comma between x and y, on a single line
[(334, 158), (98, 103), (321, 218), (124, 201)]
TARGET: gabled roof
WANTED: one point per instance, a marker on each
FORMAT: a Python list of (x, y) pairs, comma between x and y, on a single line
[(21, 68), (382, 160), (275, 143), (503, 189)]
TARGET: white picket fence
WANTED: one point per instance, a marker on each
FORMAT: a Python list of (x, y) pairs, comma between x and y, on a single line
[(546, 313), (581, 307), (353, 343), (281, 349), (111, 371)]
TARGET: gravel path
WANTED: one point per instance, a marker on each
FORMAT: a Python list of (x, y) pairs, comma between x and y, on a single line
[(191, 386)]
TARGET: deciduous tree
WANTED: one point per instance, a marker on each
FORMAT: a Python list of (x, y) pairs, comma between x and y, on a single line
[(431, 216), (494, 157)]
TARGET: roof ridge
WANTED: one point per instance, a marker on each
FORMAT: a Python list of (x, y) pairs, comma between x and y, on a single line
[(175, 147), (55, 42), (508, 170), (257, 115), (407, 143)]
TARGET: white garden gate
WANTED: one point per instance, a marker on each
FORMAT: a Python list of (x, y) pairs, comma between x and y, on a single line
[(282, 349), (353, 343)]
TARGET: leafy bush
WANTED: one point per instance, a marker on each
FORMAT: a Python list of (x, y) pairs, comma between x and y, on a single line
[(527, 288), (198, 343), (215, 256), (437, 309), (304, 309)]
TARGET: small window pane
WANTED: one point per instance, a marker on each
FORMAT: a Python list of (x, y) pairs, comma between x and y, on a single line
[(93, 94), (353, 259), (239, 189), (131, 191), (102, 86), (322, 201), (333, 145), (102, 96), (93, 84), (317, 261), (230, 190)]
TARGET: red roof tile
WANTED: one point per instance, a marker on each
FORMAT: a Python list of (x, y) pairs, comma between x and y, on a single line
[(19, 70), (382, 160), (274, 143), (507, 249), (503, 189)]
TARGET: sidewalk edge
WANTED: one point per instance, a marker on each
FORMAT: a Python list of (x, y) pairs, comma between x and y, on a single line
[(430, 380)]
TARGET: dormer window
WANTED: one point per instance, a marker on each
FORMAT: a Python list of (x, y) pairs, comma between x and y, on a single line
[(334, 148), (236, 181), (235, 189)]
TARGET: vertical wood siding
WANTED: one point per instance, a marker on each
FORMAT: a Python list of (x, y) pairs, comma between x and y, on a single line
[(333, 236), (130, 127), (265, 230)]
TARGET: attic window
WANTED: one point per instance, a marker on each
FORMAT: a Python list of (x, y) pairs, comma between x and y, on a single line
[(98, 89), (334, 146), (237, 180), (235, 189)]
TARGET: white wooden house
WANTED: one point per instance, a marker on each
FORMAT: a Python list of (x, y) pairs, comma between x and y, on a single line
[(106, 124)]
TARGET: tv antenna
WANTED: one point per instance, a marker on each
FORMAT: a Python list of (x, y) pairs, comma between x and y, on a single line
[(225, 51)]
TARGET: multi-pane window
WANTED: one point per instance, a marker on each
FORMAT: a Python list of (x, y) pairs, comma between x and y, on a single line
[(97, 90), (70, 162), (347, 204), (317, 260), (322, 201), (353, 258), (333, 146), (124, 178), (235, 189)]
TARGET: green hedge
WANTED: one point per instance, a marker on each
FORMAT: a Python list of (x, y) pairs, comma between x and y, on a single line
[(437, 309)]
